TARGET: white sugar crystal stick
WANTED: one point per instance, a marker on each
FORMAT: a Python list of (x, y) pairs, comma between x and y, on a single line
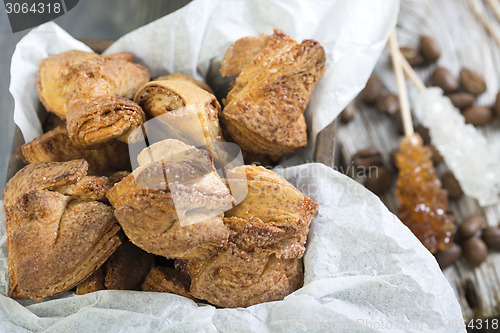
[(473, 161)]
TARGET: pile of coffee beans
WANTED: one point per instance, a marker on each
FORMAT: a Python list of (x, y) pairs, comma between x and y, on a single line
[(427, 52), (463, 92)]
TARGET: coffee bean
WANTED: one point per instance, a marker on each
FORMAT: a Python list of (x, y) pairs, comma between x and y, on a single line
[(373, 89), (462, 100), (451, 185), (431, 51), (348, 113), (448, 257), (496, 107), (470, 226), (379, 180), (475, 251), (445, 80), (472, 81), (478, 115), (424, 133), (388, 103), (366, 158), (436, 155), (412, 55), (491, 236), (392, 158)]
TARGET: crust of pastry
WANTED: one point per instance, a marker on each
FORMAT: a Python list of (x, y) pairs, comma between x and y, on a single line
[(263, 112), (167, 280), (196, 120), (144, 205), (55, 146), (57, 233), (185, 77), (92, 92), (236, 278)]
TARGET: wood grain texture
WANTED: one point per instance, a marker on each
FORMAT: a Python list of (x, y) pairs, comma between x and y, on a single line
[(465, 42)]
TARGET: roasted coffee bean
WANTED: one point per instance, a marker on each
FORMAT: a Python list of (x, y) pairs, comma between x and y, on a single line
[(451, 185), (388, 103), (496, 107), (392, 158), (462, 100), (424, 133), (366, 158), (470, 226), (448, 257), (430, 49), (348, 113), (379, 180), (472, 81), (436, 155), (475, 250), (412, 55), (372, 91), (445, 80), (478, 115), (491, 236)]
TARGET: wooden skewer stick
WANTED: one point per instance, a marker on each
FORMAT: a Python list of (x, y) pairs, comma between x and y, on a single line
[(410, 72), (495, 5), (401, 82), (487, 24)]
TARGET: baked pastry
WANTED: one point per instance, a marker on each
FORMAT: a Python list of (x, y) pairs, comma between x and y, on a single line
[(58, 230), (173, 204), (94, 282), (184, 111), (167, 280), (127, 267), (262, 259), (55, 146), (92, 93), (236, 278), (274, 216), (263, 112)]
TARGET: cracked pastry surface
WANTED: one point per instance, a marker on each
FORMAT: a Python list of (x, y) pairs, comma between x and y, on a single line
[(58, 230), (92, 92), (263, 112), (145, 208)]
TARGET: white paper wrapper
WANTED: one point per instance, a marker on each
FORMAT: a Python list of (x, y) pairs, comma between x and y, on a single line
[(194, 39), (364, 272)]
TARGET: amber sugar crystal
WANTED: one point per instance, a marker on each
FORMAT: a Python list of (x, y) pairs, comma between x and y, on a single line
[(423, 202)]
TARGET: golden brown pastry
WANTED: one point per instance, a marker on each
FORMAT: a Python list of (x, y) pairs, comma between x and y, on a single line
[(185, 77), (167, 280), (274, 215), (55, 146), (236, 278), (92, 93), (188, 112), (239, 54), (95, 282), (127, 267), (263, 112), (178, 188), (58, 232), (262, 259)]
